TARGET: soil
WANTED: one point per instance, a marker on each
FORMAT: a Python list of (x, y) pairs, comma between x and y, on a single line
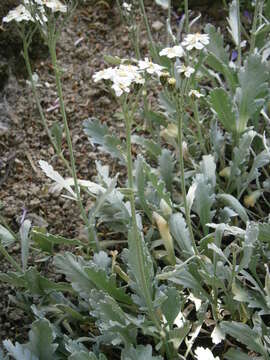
[(93, 32)]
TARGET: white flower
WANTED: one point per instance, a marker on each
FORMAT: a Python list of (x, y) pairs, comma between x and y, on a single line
[(195, 41), (55, 5), (127, 6), (106, 74), (173, 52), (120, 88), (195, 93), (187, 70), (150, 67), (204, 354), (121, 77), (20, 13)]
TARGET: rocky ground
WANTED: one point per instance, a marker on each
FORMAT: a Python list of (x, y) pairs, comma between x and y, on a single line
[(93, 32)]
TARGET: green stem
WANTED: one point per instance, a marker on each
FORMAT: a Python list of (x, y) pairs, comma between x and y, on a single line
[(182, 171), (197, 120), (254, 26), (40, 110), (239, 58), (186, 17), (149, 34), (169, 22), (91, 233), (10, 258), (138, 239)]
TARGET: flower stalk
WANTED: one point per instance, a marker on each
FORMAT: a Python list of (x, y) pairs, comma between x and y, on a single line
[(179, 103), (90, 230), (37, 100)]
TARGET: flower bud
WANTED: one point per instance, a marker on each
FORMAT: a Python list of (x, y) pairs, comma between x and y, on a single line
[(164, 77), (250, 200), (171, 131), (165, 208), (226, 172), (166, 236), (171, 83)]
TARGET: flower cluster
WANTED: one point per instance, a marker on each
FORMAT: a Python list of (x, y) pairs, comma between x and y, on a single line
[(34, 10), (20, 13), (124, 76), (195, 41)]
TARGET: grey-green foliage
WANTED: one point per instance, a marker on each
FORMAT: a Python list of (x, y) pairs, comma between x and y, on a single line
[(139, 353), (41, 344), (100, 135)]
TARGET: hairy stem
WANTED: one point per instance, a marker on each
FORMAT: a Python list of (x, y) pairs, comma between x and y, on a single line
[(254, 26), (9, 258), (91, 233), (182, 171), (37, 100)]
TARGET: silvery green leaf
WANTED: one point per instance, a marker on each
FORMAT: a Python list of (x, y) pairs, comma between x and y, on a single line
[(260, 160), (180, 233), (264, 232), (166, 168), (218, 141), (172, 305), (41, 340), (99, 134), (234, 29), (178, 334), (116, 326), (140, 264), (208, 169), (152, 148), (6, 238), (55, 176), (102, 260), (251, 238), (25, 242), (218, 251), (253, 79), (84, 355), (157, 184), (18, 351), (245, 335), (237, 354), (204, 199), (232, 202), (106, 283), (141, 352), (141, 186), (241, 153), (216, 45), (163, 3), (228, 230), (222, 103), (73, 268)]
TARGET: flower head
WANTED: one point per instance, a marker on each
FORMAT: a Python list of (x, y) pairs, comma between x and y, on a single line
[(173, 52), (127, 7), (20, 13), (150, 67), (121, 78), (195, 41), (53, 5), (187, 70), (195, 93), (204, 354)]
